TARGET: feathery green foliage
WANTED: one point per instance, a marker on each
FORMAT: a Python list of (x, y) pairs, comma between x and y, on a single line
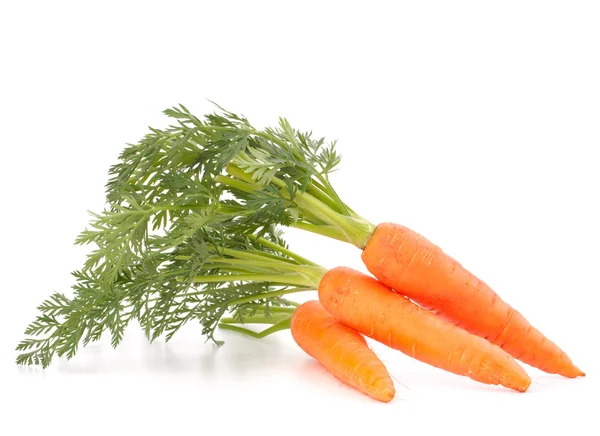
[(189, 234), (202, 279)]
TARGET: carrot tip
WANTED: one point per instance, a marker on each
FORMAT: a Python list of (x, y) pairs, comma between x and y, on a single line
[(572, 372), (383, 390), (386, 394)]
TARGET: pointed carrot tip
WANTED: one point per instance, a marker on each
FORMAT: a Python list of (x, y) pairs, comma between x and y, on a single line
[(383, 390), (522, 387), (386, 394), (572, 372), (519, 381)]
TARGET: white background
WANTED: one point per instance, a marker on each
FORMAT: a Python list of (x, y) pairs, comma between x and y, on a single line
[(475, 123)]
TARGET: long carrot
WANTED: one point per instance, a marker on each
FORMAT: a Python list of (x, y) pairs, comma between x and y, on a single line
[(371, 308), (412, 265), (341, 350)]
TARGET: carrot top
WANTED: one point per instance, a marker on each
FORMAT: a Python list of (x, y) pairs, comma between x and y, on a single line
[(279, 175), (210, 276), (173, 245)]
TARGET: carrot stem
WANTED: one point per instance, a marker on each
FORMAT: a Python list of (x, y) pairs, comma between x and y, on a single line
[(282, 325), (299, 279), (319, 193), (284, 250), (352, 228), (248, 254), (274, 319), (237, 184), (251, 298), (329, 231)]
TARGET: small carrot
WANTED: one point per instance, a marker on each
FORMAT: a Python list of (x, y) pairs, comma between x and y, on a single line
[(366, 305), (413, 266), (341, 350)]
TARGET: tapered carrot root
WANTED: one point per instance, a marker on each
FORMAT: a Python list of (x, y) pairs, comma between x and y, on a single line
[(413, 266), (369, 307), (341, 350)]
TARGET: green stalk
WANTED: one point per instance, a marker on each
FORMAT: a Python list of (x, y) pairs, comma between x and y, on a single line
[(329, 231), (356, 231), (246, 254), (255, 266), (248, 186), (237, 184), (283, 250), (297, 279), (257, 319), (352, 229), (282, 325), (271, 294), (315, 190), (238, 173), (259, 255), (266, 264), (251, 298), (277, 309)]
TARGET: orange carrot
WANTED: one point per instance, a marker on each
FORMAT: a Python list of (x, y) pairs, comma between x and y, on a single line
[(364, 304), (413, 266), (341, 350)]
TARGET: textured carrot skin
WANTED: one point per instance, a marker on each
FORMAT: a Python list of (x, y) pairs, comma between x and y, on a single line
[(413, 266), (368, 306), (341, 350)]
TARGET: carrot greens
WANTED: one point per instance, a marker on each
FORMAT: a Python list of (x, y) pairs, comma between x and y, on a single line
[(190, 233), (201, 268), (279, 175)]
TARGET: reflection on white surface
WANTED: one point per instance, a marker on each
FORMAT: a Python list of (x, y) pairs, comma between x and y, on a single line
[(189, 384), (186, 354)]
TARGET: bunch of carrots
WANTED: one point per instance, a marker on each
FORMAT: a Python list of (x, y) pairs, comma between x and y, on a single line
[(192, 231)]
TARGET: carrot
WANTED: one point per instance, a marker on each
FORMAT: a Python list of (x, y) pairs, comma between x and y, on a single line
[(412, 265), (366, 305), (341, 350)]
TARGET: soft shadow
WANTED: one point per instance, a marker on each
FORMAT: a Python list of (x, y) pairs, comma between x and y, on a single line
[(541, 382), (245, 355), (161, 357), (31, 371), (184, 355), (156, 358), (320, 379), (427, 377)]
